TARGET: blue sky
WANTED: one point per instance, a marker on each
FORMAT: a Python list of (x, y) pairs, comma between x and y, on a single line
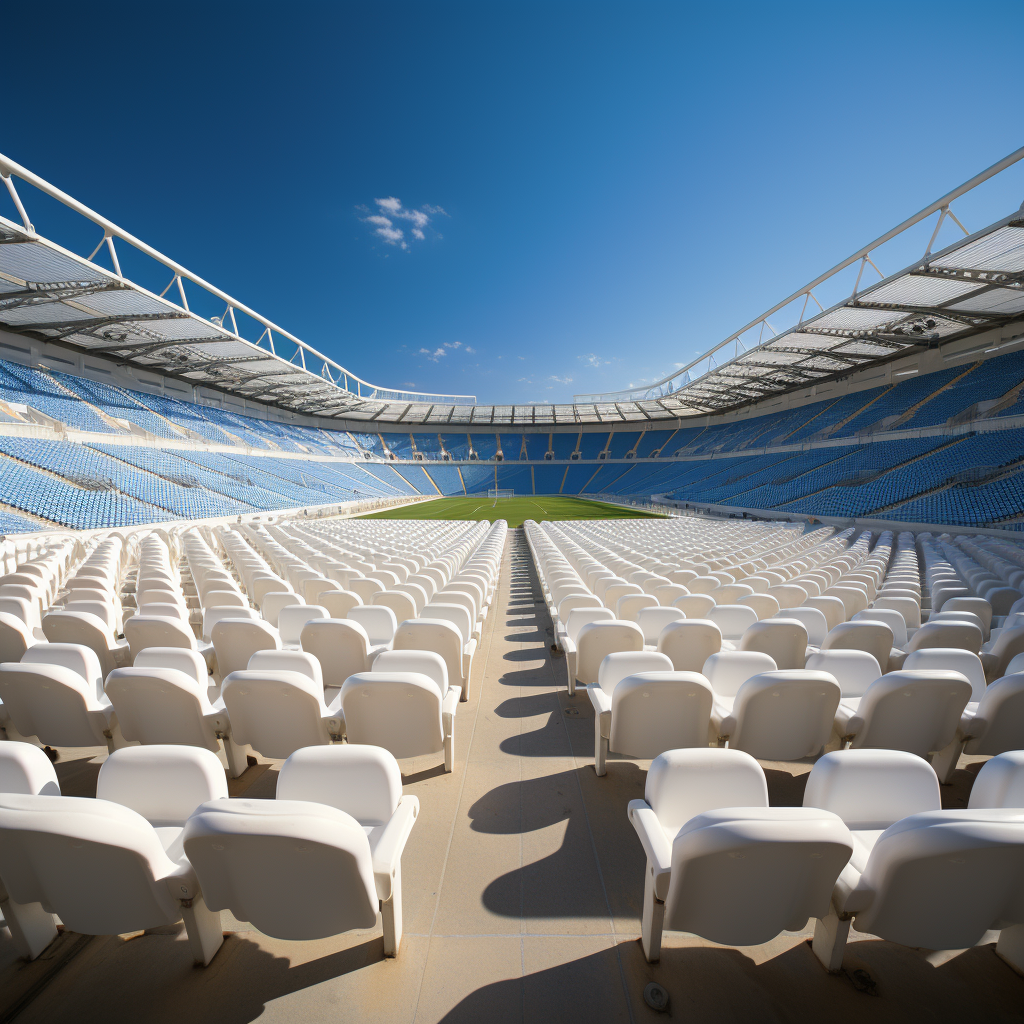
[(603, 190)]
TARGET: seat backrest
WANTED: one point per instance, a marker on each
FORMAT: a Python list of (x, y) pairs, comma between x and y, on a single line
[(1002, 599), (293, 617), (275, 712), (911, 710), (668, 593), (1000, 783), (160, 705), (909, 607), (730, 593), (579, 617), (831, 607), (727, 671), (690, 643), (764, 605), (865, 635), (24, 768), (402, 604), (365, 587), (380, 623), (162, 782), (428, 663), (778, 866), (694, 606), (459, 597), (783, 640), (437, 635), (212, 614), (182, 659), (15, 638), (733, 619), (655, 711), (340, 602), (143, 631), (870, 789), (274, 600), (785, 715), (976, 605), (399, 711), (999, 722), (573, 601), (619, 664), (80, 659), (596, 640), (854, 670), (630, 605), (684, 783), (53, 703), (294, 869), (653, 620), (313, 589), (98, 865), (954, 659), (287, 661), (892, 618), (789, 595), (236, 640), (946, 633), (941, 879)]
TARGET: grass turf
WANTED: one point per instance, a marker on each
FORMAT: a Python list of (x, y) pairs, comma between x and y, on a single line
[(515, 511)]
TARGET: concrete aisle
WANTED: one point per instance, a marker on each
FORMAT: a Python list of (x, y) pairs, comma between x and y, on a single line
[(522, 889)]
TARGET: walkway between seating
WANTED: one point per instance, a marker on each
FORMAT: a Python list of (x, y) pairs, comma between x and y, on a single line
[(522, 892)]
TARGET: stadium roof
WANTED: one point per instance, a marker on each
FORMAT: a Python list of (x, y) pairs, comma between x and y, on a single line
[(53, 294)]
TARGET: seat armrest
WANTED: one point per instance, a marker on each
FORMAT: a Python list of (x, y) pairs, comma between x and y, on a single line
[(655, 844), (386, 854), (847, 896), (449, 705), (182, 882), (601, 701)]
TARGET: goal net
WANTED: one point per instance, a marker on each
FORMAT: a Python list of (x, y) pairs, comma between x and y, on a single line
[(497, 493)]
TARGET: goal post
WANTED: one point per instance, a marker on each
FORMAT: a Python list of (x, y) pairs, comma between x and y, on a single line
[(499, 493)]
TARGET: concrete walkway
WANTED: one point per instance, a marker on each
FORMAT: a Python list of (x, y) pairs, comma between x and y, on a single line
[(522, 889)]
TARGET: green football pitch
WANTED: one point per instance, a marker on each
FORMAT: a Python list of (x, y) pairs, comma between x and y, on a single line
[(515, 511)]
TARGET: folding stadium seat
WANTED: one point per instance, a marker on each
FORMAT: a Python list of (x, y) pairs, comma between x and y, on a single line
[(784, 640), (905, 710), (854, 670), (401, 604), (346, 806), (277, 712), (568, 637), (212, 614), (25, 769), (737, 876), (404, 712), (690, 643), (779, 716), (630, 605), (653, 620), (733, 620), (789, 595), (937, 880), (953, 659), (366, 588), (945, 633), (340, 602), (977, 605), (597, 639), (694, 606), (380, 624), (909, 607), (314, 588), (341, 647), (871, 636), (467, 601), (114, 864), (427, 582), (764, 605), (236, 640), (460, 618), (727, 671), (66, 627), (831, 607), (994, 725), (167, 703), (998, 653), (292, 618), (1000, 783)]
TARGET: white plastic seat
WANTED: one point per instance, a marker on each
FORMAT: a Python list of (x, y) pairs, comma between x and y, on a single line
[(653, 620), (380, 623), (1000, 783), (341, 647), (236, 640), (690, 643), (292, 619), (783, 640), (66, 627), (365, 588), (339, 602), (738, 876), (403, 712), (313, 590), (440, 637), (401, 604), (101, 866), (947, 633), (764, 605), (694, 606), (892, 618), (937, 880), (212, 614), (427, 663), (598, 639), (274, 600), (727, 671), (952, 659), (319, 860), (567, 638), (667, 594), (733, 620), (630, 605), (648, 710), (24, 768), (906, 710), (871, 636), (143, 631), (277, 712), (854, 670), (999, 653), (779, 716), (908, 606)]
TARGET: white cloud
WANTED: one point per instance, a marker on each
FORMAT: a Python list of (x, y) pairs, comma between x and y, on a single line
[(390, 209), (593, 360), (433, 356), (560, 380), (471, 351), (453, 344)]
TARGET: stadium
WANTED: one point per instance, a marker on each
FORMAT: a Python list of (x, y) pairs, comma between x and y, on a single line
[(695, 693)]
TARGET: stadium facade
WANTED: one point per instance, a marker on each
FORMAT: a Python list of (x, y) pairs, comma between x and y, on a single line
[(123, 405)]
